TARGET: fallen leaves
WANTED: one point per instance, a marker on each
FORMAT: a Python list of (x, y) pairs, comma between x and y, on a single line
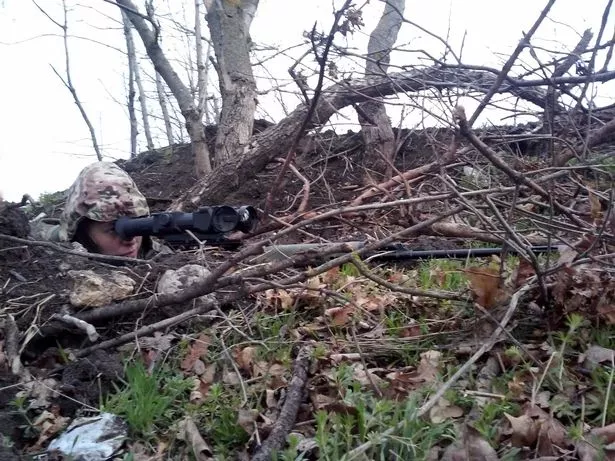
[(487, 285), (196, 352), (538, 430), (444, 410)]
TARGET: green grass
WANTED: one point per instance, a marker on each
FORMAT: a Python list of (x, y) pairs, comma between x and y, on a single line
[(338, 433), (148, 402), (216, 416)]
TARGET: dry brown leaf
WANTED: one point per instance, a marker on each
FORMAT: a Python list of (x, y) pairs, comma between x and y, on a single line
[(595, 207), (603, 437), (199, 390), (410, 331), (606, 433), (340, 316), (524, 430), (443, 410), (48, 424), (588, 451), (245, 358), (209, 374), (397, 277), (196, 351), (276, 369), (331, 276), (260, 368), (607, 310), (523, 272), (246, 418), (188, 432), (270, 400), (566, 255), (375, 303), (230, 377), (551, 437), (365, 377), (286, 300), (471, 446), (535, 428), (516, 385), (485, 283), (428, 366), (426, 372), (320, 401), (595, 355), (341, 408)]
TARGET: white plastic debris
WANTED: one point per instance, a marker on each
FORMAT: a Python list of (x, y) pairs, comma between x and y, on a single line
[(95, 438)]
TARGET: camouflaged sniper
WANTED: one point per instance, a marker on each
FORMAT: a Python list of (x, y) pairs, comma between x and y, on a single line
[(101, 192)]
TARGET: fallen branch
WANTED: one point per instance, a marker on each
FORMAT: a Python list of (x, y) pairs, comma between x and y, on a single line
[(83, 254), (366, 272), (288, 414), (432, 167), (149, 329)]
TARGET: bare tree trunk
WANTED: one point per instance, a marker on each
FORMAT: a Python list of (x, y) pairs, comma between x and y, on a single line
[(229, 25), (144, 112), (201, 68), (378, 134), (68, 82), (168, 128), (130, 50), (189, 110)]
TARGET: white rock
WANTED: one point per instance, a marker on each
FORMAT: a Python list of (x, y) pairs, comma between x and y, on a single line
[(92, 290), (174, 281)]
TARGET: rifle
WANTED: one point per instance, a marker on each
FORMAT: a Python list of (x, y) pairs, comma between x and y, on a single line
[(208, 224), (392, 252)]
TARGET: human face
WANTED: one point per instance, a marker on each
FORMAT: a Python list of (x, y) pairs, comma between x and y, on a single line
[(109, 243)]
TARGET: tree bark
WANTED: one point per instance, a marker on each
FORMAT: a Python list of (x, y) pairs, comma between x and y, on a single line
[(376, 126), (229, 26), (168, 128), (181, 92), (147, 131), (134, 67), (130, 50), (268, 144)]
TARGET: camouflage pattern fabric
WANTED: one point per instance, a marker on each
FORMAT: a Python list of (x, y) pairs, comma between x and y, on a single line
[(101, 192)]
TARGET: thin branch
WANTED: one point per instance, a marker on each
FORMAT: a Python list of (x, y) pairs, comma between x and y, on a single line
[(509, 63)]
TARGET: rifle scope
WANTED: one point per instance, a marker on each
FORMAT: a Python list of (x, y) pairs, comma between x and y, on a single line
[(214, 220)]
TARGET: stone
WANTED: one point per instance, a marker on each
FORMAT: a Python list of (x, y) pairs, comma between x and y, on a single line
[(93, 290), (174, 281)]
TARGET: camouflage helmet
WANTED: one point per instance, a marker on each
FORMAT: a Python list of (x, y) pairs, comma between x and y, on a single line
[(102, 192)]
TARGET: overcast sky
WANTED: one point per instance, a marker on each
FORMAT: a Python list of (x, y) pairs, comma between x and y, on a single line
[(44, 142)]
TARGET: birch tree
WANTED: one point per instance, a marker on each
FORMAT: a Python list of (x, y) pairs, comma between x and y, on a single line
[(132, 116), (133, 65)]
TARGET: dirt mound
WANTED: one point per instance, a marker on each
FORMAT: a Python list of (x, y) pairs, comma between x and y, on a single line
[(386, 317)]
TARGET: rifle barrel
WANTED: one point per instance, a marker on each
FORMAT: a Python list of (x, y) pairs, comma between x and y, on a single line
[(457, 253), (389, 253)]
